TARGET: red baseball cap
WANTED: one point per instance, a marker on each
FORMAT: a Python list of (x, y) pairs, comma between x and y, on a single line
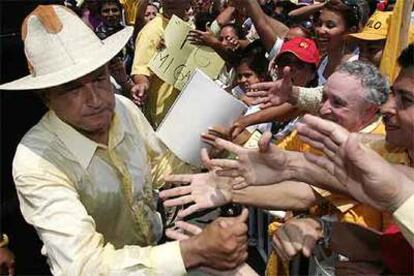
[(304, 49)]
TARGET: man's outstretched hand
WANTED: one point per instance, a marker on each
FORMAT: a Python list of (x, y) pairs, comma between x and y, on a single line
[(272, 93)]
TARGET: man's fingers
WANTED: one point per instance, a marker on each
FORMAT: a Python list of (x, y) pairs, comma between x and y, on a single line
[(225, 164), (277, 246), (264, 142), (178, 191), (322, 162), (179, 178), (287, 245), (337, 133), (229, 173), (262, 86), (308, 245), (188, 227), (205, 159), (244, 215), (229, 146), (175, 235), (255, 94), (188, 211), (182, 200), (318, 145)]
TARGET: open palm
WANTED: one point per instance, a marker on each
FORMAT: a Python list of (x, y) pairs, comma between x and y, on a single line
[(263, 166), (205, 190)]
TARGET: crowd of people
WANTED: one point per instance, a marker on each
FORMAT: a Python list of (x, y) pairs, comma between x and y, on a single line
[(327, 137)]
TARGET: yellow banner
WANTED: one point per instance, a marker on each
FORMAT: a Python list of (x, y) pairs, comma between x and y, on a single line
[(397, 39), (177, 61)]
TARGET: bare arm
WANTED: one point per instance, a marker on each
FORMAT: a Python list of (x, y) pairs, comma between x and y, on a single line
[(306, 11), (276, 113), (268, 28), (287, 195)]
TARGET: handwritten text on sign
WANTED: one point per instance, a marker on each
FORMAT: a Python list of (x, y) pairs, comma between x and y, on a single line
[(175, 63)]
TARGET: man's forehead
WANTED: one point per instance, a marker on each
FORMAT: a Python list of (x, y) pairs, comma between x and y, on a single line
[(343, 85), (405, 80)]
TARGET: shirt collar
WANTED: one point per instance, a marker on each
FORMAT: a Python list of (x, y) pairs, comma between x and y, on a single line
[(81, 147), (78, 144), (372, 126)]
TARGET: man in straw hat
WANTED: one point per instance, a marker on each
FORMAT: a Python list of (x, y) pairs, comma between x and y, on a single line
[(86, 173)]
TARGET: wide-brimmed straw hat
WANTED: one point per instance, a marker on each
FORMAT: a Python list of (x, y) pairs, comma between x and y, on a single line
[(60, 48)]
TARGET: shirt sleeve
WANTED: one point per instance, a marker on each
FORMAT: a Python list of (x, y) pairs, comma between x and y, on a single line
[(145, 48), (309, 99), (49, 201), (404, 217), (274, 52)]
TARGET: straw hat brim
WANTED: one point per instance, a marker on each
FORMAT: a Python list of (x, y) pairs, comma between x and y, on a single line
[(111, 47)]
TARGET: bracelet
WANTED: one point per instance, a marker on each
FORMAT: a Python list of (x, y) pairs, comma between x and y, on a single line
[(5, 241)]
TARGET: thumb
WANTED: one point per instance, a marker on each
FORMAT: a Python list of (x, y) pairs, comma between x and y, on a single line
[(264, 142), (243, 216), (287, 77)]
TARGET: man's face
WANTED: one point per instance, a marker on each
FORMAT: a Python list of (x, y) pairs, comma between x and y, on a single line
[(343, 102), (371, 51), (111, 14), (227, 34), (150, 13), (398, 112), (87, 104)]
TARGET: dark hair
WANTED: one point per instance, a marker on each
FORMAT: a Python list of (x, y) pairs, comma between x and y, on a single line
[(406, 59), (202, 19), (236, 28), (254, 56), (290, 58), (350, 12), (101, 3)]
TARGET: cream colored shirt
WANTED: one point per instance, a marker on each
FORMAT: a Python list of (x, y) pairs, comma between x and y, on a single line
[(404, 217), (73, 191)]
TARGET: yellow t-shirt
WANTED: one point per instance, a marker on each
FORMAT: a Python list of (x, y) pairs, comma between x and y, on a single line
[(161, 95)]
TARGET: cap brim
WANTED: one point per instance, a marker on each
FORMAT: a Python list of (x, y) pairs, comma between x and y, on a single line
[(296, 55), (111, 47), (367, 36)]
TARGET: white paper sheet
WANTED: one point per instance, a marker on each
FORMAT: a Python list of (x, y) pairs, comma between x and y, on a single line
[(201, 104)]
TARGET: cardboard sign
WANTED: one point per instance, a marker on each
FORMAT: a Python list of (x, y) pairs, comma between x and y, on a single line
[(177, 61), (202, 104)]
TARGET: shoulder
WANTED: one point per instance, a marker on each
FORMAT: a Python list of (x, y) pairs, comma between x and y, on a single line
[(38, 153), (154, 28)]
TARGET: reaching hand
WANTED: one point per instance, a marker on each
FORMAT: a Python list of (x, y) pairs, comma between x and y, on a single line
[(272, 93), (206, 38), (296, 236), (140, 89), (7, 262), (221, 245), (365, 174), (206, 190), (185, 230), (264, 166)]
